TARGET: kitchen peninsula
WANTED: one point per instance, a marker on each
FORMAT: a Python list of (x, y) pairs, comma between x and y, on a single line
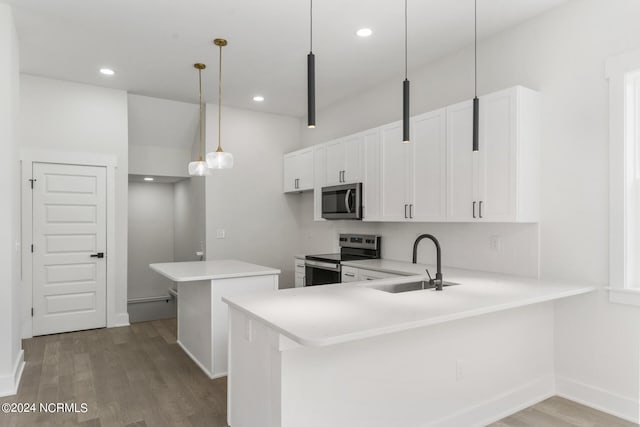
[(202, 316), (355, 354)]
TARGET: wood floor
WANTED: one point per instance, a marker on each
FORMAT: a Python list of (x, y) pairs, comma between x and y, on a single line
[(138, 376)]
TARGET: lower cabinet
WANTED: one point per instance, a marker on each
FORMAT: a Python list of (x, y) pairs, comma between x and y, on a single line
[(351, 274), (299, 272)]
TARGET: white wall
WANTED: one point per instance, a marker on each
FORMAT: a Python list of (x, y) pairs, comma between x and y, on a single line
[(11, 355), (261, 223), (151, 237), (63, 116), (161, 135), (561, 54)]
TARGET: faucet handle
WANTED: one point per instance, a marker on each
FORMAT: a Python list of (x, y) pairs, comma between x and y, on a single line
[(428, 274)]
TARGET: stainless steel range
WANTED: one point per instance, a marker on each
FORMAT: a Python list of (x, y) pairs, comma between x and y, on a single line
[(325, 269)]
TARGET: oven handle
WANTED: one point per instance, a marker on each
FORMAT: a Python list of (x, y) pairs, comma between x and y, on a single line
[(347, 200), (323, 265)]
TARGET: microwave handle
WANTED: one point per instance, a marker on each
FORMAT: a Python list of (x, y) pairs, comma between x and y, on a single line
[(347, 200)]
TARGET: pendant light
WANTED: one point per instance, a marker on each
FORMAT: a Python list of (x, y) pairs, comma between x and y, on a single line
[(406, 127), (219, 159), (311, 75), (199, 168), (476, 102)]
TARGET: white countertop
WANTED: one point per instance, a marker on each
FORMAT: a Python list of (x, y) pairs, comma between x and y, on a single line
[(332, 314), (210, 270)]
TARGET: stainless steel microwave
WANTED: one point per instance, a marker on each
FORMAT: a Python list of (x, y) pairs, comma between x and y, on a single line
[(342, 201)]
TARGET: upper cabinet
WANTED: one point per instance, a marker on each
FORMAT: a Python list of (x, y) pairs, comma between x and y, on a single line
[(344, 160), (499, 182), (298, 171), (437, 177), (412, 176)]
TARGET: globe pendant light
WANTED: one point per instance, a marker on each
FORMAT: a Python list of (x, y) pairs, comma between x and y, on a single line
[(219, 159), (199, 168), (476, 102), (311, 76), (406, 126)]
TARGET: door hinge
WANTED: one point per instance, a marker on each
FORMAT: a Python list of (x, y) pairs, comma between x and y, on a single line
[(32, 180), (32, 248), (31, 311)]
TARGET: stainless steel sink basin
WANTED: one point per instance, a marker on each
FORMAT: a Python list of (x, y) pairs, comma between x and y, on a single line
[(396, 288)]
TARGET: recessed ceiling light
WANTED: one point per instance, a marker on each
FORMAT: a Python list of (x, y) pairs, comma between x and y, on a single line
[(107, 71), (364, 32), (258, 98), (148, 178)]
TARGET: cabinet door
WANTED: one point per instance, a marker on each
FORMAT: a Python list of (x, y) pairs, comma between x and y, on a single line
[(393, 174), (353, 170), (461, 174), (349, 274), (497, 157), (375, 275), (290, 173), (371, 185), (305, 169), (335, 162), (319, 181), (428, 184)]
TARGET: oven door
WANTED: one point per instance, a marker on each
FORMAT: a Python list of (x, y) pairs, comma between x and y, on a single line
[(342, 201), (321, 273)]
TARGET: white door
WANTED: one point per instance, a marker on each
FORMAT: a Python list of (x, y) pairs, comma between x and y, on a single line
[(290, 173), (497, 177), (461, 172), (394, 174), (335, 162), (305, 169), (429, 166), (69, 231), (353, 159)]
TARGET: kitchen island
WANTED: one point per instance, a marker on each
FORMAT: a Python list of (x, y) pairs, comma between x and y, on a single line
[(355, 355), (202, 316)]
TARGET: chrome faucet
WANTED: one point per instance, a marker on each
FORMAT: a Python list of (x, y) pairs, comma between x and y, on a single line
[(437, 282)]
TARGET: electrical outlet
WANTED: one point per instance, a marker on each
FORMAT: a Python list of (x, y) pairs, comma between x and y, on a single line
[(220, 233), (495, 243), (459, 370)]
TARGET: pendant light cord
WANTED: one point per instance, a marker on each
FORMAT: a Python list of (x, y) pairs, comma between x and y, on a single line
[(475, 47), (200, 118), (220, 101), (311, 26), (406, 38)]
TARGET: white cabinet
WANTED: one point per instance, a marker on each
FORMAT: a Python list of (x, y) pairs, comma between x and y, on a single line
[(375, 275), (349, 274), (427, 175), (299, 272), (371, 180), (319, 159), (498, 183), (344, 160), (298, 171), (413, 179)]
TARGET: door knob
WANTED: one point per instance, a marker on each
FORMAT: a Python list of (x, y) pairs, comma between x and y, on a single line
[(98, 255)]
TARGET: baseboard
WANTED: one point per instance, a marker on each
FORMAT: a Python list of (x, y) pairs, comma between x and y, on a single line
[(119, 319), (500, 406), (623, 407), (196, 361), (9, 384)]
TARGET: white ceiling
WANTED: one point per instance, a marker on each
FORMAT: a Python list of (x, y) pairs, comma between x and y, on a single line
[(152, 44)]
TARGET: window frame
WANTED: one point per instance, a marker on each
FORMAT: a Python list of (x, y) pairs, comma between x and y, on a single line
[(622, 152)]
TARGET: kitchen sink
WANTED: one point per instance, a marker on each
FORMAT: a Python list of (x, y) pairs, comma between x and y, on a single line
[(395, 288)]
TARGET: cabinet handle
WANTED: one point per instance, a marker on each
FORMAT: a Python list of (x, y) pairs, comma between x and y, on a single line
[(405, 211), (474, 209), (349, 275), (299, 265), (411, 211), (344, 179), (480, 209)]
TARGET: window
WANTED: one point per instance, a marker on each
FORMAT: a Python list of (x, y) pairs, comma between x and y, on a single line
[(623, 73)]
